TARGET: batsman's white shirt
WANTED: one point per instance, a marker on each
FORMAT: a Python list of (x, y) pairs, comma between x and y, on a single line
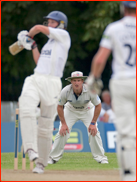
[(84, 102), (120, 37), (54, 53)]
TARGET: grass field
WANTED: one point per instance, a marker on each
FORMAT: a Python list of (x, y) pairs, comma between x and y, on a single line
[(70, 161)]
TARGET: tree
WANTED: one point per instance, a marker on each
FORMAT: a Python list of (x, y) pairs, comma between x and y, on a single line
[(87, 21)]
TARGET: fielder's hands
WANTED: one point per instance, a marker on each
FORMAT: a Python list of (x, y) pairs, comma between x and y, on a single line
[(64, 129), (27, 42), (94, 85), (92, 129)]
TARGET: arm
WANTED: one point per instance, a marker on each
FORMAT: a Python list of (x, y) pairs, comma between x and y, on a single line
[(93, 81), (33, 31), (64, 126), (96, 113), (99, 61), (31, 45), (37, 29), (36, 55), (61, 114), (92, 127), (106, 45)]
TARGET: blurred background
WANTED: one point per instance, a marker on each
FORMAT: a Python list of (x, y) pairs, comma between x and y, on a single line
[(86, 23)]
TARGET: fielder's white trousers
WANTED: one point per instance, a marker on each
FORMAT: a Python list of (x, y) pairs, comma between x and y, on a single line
[(43, 89), (123, 94), (71, 118)]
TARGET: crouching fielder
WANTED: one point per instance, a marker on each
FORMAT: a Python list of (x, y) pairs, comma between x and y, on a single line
[(79, 105)]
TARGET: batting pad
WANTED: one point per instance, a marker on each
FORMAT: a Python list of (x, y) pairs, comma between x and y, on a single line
[(127, 157), (45, 129), (28, 125)]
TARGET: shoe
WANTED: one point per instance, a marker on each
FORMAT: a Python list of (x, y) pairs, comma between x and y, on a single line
[(104, 162), (51, 161), (32, 155), (39, 168)]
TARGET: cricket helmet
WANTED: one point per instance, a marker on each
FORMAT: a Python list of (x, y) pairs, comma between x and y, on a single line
[(60, 17), (129, 4)]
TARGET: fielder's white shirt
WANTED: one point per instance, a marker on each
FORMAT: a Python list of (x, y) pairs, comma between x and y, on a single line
[(54, 53), (84, 102), (120, 37)]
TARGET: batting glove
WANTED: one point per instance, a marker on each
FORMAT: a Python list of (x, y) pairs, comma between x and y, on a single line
[(94, 85), (21, 35), (28, 43)]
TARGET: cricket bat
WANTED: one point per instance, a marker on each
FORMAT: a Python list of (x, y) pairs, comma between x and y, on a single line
[(15, 48)]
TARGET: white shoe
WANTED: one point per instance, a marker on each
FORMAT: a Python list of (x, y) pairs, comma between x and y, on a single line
[(104, 162), (38, 169), (32, 155), (51, 161)]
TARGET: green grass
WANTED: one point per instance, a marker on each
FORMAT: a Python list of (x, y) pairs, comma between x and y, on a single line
[(69, 161)]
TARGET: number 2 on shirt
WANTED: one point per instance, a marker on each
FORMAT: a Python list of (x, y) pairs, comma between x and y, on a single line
[(129, 56)]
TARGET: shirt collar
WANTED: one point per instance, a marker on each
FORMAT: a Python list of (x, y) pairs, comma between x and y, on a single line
[(83, 90)]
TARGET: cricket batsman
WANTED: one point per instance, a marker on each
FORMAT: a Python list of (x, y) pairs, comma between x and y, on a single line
[(43, 86)]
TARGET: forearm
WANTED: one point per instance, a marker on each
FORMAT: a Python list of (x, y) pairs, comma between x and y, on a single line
[(61, 114), (96, 113), (99, 61), (37, 29), (36, 55), (97, 67)]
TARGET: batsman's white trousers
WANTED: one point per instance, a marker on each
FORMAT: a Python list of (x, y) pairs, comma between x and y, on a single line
[(71, 118), (43, 89), (123, 94)]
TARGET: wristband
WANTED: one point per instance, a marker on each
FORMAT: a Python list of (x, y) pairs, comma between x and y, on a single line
[(92, 123), (34, 45)]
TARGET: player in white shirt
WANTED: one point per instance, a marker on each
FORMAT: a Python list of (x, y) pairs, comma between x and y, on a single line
[(120, 38), (43, 86), (78, 105)]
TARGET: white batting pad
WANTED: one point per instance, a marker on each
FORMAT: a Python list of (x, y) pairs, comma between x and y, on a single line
[(45, 129), (126, 152), (28, 125)]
